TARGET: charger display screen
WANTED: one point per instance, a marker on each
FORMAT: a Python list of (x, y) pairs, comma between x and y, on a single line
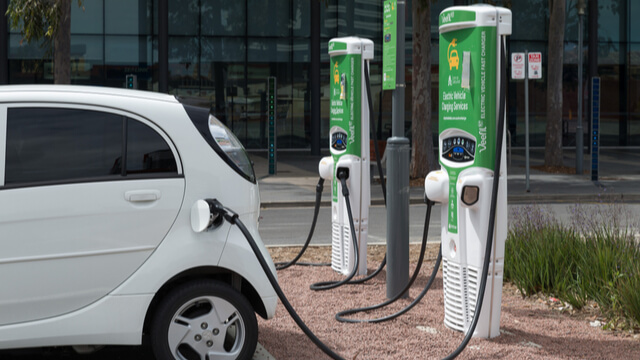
[(458, 149), (339, 141)]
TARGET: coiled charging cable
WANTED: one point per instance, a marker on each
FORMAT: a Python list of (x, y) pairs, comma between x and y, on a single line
[(319, 189), (219, 210), (316, 210), (332, 285), (342, 175), (341, 315)]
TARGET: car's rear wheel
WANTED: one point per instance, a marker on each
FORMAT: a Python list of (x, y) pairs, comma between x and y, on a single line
[(204, 320)]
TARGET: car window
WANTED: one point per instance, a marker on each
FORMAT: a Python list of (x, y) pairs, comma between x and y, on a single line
[(61, 145), (147, 152), (53, 144)]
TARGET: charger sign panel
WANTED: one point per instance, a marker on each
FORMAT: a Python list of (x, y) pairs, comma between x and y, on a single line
[(467, 98), (345, 117)]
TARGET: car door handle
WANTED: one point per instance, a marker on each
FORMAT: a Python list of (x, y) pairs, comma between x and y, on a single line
[(142, 195)]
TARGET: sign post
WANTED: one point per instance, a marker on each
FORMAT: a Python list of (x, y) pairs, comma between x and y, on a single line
[(534, 71), (525, 66), (519, 71)]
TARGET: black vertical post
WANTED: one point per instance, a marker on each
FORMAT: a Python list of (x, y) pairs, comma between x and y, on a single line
[(143, 66), (623, 85), (315, 78), (398, 154), (592, 56), (163, 46), (4, 44)]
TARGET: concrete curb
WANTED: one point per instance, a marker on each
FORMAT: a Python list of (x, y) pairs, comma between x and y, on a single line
[(511, 199)]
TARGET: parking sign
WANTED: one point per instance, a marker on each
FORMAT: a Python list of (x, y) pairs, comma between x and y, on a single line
[(535, 65), (517, 66)]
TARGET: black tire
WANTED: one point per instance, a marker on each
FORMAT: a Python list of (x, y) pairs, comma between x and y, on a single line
[(204, 320)]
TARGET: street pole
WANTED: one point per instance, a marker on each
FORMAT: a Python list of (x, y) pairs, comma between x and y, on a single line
[(579, 129), (526, 117), (398, 153)]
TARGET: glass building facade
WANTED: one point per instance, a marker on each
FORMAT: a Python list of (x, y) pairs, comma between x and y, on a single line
[(221, 52)]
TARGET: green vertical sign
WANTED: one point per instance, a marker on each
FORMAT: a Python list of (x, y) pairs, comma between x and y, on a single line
[(345, 109), (467, 94), (389, 45)]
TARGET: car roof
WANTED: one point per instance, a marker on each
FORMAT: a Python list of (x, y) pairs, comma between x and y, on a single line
[(82, 89)]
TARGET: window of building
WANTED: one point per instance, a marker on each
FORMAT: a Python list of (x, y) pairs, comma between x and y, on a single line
[(268, 18), (223, 17), (47, 145)]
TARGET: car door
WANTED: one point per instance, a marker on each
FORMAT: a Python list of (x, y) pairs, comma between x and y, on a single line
[(86, 195)]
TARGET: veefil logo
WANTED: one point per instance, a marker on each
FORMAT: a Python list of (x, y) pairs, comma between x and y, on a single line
[(337, 45), (447, 17), (456, 16)]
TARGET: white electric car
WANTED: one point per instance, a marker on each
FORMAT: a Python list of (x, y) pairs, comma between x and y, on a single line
[(98, 242)]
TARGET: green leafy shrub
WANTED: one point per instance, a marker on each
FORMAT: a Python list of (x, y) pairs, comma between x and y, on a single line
[(594, 258)]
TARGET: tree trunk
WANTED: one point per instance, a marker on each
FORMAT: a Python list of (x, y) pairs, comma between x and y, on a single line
[(553, 139), (62, 45), (422, 158)]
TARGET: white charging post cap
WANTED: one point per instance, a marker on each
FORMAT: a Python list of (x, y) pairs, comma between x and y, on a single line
[(436, 186), (325, 167)]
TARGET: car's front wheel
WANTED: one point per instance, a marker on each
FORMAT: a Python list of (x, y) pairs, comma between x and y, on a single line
[(204, 320)]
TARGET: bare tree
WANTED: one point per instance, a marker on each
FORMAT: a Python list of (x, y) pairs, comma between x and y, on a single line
[(422, 158), (553, 138), (48, 20)]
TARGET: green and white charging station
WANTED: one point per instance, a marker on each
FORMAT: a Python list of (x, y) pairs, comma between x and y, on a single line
[(349, 146), (470, 60)]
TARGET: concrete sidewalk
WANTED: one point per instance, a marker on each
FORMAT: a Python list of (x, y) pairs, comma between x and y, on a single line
[(297, 175)]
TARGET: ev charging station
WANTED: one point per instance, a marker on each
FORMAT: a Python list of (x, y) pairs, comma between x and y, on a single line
[(349, 146), (470, 62)]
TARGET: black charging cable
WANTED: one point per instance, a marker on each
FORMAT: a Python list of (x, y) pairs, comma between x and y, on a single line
[(219, 210), (341, 315), (343, 175), (316, 210)]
